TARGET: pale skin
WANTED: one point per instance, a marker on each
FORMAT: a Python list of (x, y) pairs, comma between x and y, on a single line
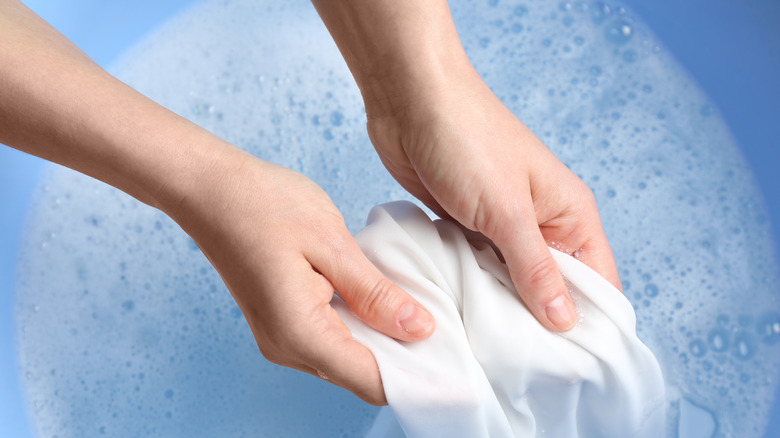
[(274, 236)]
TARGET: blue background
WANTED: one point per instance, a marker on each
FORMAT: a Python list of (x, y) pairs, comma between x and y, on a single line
[(731, 48)]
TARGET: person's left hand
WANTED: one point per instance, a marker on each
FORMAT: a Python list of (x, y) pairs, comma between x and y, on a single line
[(466, 156)]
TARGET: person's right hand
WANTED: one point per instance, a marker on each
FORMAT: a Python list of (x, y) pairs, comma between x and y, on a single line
[(274, 236), (281, 247)]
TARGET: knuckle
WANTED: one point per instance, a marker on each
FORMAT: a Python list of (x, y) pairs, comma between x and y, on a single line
[(584, 196), (541, 273), (589, 199), (277, 350), (373, 399), (490, 218), (374, 299), (339, 248), (271, 354)]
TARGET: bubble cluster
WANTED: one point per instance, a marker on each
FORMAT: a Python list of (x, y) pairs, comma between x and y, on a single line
[(126, 330)]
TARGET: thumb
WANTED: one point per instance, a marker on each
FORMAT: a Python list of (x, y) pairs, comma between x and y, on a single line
[(375, 299), (535, 273)]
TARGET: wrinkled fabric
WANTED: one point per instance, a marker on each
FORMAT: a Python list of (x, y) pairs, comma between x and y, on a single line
[(490, 369)]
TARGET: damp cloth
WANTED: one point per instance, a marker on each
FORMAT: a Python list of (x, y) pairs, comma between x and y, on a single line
[(490, 369)]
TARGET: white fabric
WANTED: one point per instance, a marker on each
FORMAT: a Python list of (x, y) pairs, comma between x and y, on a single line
[(491, 369)]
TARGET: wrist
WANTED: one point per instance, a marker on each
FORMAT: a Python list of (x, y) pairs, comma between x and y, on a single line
[(400, 52), (422, 82), (193, 189), (155, 155)]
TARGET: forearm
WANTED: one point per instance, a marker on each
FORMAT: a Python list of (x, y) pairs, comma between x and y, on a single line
[(400, 52), (58, 104)]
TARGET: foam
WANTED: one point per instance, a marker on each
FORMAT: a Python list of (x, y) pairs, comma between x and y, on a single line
[(125, 328)]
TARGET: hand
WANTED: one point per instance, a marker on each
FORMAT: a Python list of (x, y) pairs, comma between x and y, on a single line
[(274, 236), (450, 142), (465, 155), (281, 247)]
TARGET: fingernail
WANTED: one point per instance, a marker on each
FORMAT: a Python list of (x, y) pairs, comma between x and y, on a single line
[(414, 320), (561, 313)]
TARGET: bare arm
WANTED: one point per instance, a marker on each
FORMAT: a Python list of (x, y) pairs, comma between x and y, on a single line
[(274, 236), (56, 103), (449, 141)]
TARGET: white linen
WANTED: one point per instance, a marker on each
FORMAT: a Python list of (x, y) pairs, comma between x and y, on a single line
[(490, 369)]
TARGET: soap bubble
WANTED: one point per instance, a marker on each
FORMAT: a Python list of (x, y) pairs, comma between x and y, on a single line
[(651, 290), (600, 12), (671, 190), (718, 339), (744, 346), (698, 348), (768, 327), (618, 32)]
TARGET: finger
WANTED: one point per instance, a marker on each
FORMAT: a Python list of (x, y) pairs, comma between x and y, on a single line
[(379, 302), (597, 253), (341, 360), (534, 273), (309, 335), (336, 357), (588, 243)]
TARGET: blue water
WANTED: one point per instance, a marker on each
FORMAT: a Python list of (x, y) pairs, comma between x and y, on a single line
[(736, 338), (103, 32)]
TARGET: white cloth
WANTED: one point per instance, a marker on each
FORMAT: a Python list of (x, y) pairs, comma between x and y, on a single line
[(490, 369)]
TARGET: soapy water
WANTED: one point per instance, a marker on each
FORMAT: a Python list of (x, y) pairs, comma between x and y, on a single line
[(126, 330)]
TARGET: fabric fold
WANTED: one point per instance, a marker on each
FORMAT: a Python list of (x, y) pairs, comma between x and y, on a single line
[(490, 369)]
